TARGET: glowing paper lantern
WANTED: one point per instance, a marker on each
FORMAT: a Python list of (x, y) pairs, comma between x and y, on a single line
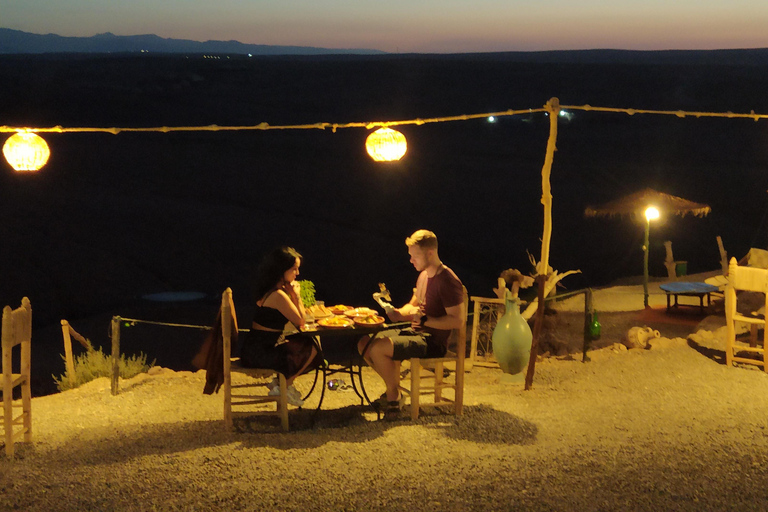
[(26, 151), (386, 145)]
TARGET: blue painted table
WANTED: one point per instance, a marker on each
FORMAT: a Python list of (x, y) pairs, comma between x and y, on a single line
[(688, 289)]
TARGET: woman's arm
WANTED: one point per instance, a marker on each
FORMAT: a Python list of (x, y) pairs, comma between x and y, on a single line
[(284, 303)]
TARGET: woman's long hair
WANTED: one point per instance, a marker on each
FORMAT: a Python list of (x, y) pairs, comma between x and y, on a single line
[(271, 270)]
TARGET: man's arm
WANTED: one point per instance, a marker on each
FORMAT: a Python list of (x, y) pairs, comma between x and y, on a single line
[(404, 313), (454, 316)]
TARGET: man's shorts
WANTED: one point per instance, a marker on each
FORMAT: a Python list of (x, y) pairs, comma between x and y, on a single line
[(408, 343)]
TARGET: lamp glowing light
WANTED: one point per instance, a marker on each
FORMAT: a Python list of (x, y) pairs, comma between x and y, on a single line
[(651, 213), (386, 145), (26, 151)]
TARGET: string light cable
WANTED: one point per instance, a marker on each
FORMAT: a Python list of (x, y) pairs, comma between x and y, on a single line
[(30, 152)]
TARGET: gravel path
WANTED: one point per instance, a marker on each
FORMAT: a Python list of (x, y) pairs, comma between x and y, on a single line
[(661, 429)]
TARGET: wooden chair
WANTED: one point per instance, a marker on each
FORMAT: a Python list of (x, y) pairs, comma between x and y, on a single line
[(744, 279), (241, 396), (17, 330), (426, 376)]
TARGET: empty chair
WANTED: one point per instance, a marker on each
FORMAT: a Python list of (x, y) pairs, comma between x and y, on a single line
[(17, 332), (427, 382), (744, 279), (244, 399)]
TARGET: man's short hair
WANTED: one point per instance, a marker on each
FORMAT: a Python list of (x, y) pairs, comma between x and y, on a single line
[(423, 238)]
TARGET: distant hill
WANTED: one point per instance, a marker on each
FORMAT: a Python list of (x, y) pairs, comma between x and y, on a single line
[(16, 41)]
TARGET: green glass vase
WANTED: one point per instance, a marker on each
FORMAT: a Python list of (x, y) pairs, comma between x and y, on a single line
[(512, 339)]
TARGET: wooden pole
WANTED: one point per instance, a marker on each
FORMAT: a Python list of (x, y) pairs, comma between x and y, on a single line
[(68, 359), (588, 313), (115, 354), (645, 261), (723, 255), (553, 109)]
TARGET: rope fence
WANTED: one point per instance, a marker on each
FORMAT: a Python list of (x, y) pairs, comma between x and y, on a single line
[(118, 321)]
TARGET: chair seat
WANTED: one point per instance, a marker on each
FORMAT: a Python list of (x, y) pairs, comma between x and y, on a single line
[(426, 363), (749, 319), (235, 366)]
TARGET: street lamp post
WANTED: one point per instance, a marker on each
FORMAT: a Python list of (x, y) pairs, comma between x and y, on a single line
[(651, 213)]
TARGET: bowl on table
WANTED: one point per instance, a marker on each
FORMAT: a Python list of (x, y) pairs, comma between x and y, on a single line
[(368, 320), (335, 322), (357, 312), (339, 309)]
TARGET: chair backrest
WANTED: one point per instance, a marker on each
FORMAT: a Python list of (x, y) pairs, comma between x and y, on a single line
[(461, 340), (228, 321), (455, 337), (17, 330), (460, 334), (747, 278), (757, 258)]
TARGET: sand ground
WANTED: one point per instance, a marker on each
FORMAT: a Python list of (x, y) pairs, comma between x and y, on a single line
[(670, 428)]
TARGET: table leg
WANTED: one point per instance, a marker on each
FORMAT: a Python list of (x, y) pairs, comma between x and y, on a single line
[(314, 383)]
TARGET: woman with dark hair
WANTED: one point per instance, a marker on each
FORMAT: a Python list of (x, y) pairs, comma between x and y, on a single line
[(278, 301)]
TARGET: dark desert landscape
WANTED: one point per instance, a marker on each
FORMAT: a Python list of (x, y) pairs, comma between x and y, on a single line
[(113, 218)]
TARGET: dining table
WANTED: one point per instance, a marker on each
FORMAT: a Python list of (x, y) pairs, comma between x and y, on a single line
[(338, 346)]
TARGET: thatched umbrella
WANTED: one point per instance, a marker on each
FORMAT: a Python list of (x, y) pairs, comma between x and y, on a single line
[(649, 203), (637, 203)]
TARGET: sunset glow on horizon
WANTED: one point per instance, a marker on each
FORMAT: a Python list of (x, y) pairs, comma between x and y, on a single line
[(427, 26)]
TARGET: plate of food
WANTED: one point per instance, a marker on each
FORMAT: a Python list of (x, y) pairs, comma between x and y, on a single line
[(319, 311), (335, 322), (339, 309), (369, 320), (354, 312)]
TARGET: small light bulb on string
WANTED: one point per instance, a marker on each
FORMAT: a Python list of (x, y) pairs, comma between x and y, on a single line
[(386, 145), (26, 151)]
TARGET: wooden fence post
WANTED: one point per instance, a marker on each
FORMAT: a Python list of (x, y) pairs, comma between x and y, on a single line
[(589, 311), (69, 362), (115, 353), (68, 333)]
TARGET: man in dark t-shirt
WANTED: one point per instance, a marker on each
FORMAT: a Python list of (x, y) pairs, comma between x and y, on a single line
[(436, 307)]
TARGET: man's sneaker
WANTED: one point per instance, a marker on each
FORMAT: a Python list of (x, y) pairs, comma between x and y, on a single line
[(291, 398), (392, 411), (294, 393)]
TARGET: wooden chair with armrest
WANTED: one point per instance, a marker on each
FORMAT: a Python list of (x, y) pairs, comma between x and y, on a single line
[(427, 378), (748, 279), (17, 331), (241, 400)]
